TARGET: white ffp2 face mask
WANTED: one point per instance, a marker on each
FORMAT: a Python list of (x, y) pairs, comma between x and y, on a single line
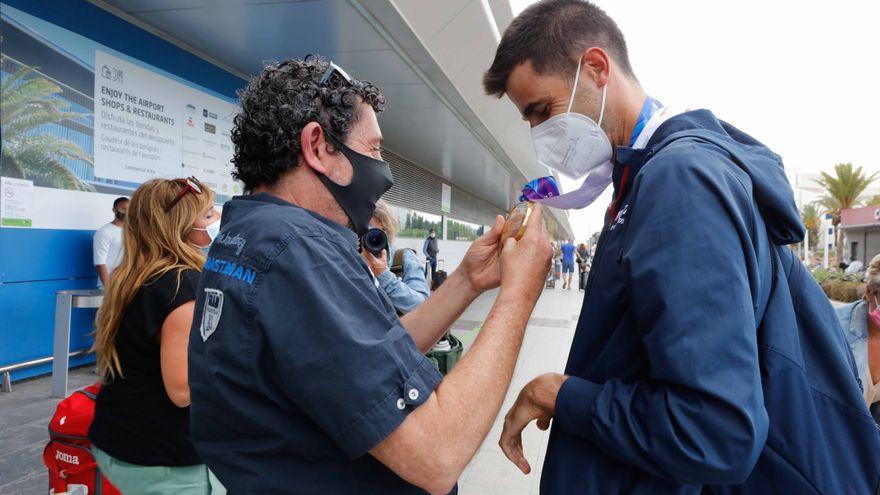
[(571, 143), (575, 146)]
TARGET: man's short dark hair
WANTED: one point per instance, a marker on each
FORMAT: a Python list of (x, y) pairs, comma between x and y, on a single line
[(119, 200), (278, 103), (551, 34)]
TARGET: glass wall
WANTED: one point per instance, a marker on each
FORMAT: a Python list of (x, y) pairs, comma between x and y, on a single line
[(463, 231), (416, 224)]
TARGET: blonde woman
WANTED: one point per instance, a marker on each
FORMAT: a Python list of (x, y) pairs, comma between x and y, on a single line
[(141, 433), (861, 325), (406, 287)]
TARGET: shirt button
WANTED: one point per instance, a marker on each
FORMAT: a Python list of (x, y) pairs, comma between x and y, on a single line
[(401, 404), (413, 394)]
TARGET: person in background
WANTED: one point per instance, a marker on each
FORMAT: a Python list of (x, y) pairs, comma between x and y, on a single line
[(107, 243), (583, 261), (140, 433), (861, 325), (567, 250), (430, 250), (557, 261), (583, 253), (404, 280), (854, 266)]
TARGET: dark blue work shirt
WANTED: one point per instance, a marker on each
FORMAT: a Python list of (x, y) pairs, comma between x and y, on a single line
[(298, 363)]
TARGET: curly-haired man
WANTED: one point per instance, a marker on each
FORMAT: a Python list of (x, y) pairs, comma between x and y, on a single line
[(303, 379)]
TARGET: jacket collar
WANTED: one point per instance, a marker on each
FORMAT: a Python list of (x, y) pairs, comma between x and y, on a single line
[(858, 322), (634, 159), (265, 197)]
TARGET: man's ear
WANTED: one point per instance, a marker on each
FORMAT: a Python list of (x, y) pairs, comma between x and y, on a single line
[(596, 65), (314, 147)]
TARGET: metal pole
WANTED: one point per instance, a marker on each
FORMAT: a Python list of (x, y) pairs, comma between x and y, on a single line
[(827, 242), (807, 248), (63, 303), (6, 371)]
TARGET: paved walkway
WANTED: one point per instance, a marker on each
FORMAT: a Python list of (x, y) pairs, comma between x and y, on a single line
[(24, 420), (545, 348), (25, 413)]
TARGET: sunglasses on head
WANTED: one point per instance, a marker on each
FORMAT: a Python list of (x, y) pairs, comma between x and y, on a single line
[(334, 69), (190, 185), (331, 69)]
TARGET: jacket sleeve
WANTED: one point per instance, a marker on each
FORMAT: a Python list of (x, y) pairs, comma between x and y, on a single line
[(425, 248), (407, 293), (698, 417)]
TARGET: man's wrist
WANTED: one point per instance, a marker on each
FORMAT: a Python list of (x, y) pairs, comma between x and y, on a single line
[(545, 391), (462, 282), (385, 276)]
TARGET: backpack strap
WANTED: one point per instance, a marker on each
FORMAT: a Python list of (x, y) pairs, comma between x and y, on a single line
[(397, 263)]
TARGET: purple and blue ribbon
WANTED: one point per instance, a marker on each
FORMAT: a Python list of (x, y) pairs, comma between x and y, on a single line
[(540, 188)]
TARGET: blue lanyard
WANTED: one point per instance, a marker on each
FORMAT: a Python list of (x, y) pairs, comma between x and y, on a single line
[(651, 105)]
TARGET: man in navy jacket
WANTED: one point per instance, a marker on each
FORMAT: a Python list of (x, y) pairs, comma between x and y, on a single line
[(663, 389)]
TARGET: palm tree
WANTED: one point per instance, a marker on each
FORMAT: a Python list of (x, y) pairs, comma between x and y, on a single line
[(26, 103), (812, 221), (843, 190)]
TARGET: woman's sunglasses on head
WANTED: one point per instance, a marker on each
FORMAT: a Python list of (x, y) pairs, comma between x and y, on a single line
[(190, 185)]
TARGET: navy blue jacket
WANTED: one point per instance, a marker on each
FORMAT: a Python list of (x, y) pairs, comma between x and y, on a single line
[(665, 394)]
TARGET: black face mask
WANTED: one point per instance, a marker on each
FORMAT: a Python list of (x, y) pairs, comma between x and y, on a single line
[(370, 179)]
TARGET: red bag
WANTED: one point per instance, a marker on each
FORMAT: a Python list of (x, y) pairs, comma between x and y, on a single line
[(68, 456)]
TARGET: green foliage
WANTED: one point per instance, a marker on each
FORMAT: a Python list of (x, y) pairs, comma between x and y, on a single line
[(28, 103), (417, 226), (462, 231), (843, 190), (840, 287), (823, 274), (812, 222)]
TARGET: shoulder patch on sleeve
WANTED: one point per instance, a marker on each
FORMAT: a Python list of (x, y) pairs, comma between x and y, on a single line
[(211, 312)]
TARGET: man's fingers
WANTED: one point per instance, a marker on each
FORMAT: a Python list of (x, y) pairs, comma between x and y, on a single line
[(509, 245), (536, 220), (498, 227), (511, 436), (543, 422), (492, 235), (511, 445)]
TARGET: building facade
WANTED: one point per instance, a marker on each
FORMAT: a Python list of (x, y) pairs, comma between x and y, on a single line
[(137, 89), (861, 231)]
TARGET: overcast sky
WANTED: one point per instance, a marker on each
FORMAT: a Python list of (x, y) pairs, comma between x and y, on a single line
[(802, 77)]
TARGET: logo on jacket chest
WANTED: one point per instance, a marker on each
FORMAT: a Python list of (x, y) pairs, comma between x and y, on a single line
[(620, 218)]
